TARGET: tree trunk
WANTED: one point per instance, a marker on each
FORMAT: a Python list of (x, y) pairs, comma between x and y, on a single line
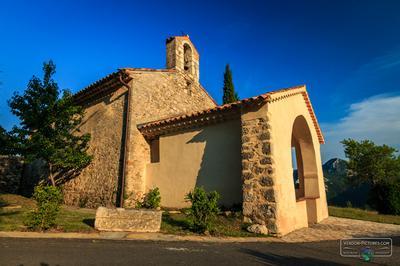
[(51, 177)]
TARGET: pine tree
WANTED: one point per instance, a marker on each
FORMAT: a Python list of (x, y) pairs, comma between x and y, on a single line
[(229, 89), (48, 128)]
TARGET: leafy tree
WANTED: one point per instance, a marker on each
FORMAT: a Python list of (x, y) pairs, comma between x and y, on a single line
[(371, 163), (8, 145), (48, 126), (4, 141), (385, 197), (378, 166), (230, 95)]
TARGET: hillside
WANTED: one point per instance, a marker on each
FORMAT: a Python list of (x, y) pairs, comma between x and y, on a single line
[(339, 192)]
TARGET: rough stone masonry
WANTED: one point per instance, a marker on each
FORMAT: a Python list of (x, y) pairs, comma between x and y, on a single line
[(259, 204), (11, 170)]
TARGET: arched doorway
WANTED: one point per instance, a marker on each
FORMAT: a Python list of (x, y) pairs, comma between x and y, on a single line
[(306, 179)]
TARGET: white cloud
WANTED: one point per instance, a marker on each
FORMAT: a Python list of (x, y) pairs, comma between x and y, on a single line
[(376, 118)]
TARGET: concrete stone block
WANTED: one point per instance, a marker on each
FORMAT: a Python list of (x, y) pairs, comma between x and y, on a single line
[(127, 220)]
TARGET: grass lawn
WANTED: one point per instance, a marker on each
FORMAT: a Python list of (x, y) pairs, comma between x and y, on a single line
[(14, 209), (179, 224), (359, 214)]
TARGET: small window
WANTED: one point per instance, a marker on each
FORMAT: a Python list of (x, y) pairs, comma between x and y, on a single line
[(187, 58), (155, 151)]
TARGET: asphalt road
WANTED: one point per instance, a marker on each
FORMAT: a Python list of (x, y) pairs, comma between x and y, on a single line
[(17, 251)]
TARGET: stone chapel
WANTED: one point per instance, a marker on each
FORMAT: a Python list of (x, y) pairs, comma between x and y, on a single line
[(160, 128)]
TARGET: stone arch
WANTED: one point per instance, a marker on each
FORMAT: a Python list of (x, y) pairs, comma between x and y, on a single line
[(307, 170), (187, 58)]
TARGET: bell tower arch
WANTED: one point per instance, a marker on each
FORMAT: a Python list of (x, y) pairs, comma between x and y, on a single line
[(183, 56)]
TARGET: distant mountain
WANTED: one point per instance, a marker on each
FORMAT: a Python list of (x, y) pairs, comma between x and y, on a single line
[(335, 167), (339, 191), (335, 177)]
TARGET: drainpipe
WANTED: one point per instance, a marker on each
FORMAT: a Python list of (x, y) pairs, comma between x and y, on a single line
[(126, 146)]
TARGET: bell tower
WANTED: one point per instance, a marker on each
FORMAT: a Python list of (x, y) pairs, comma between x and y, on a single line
[(183, 56)]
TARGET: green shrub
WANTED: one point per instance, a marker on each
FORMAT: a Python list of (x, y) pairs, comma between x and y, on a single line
[(151, 200), (385, 197), (48, 202), (204, 208)]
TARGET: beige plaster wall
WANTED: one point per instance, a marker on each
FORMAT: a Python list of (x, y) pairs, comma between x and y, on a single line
[(97, 184), (292, 215), (301, 214), (208, 157)]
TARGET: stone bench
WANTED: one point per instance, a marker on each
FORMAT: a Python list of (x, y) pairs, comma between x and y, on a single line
[(128, 220)]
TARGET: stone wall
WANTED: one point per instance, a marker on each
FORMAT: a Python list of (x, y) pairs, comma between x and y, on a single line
[(156, 94), (97, 185), (164, 93), (11, 169), (259, 203)]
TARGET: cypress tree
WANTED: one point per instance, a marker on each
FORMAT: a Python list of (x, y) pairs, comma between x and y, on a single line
[(229, 89)]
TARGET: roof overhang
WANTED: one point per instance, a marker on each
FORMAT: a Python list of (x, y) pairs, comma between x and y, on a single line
[(225, 112), (102, 87)]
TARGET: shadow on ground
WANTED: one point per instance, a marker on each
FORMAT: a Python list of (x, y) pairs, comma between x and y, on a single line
[(9, 213), (41, 264), (273, 259), (183, 224), (89, 222)]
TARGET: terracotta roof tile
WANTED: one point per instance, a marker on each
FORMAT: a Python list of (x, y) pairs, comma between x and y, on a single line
[(101, 86), (147, 128)]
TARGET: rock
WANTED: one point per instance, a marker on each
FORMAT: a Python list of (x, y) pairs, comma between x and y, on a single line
[(266, 181), (269, 195), (227, 213), (247, 175), (247, 219), (258, 229), (266, 148)]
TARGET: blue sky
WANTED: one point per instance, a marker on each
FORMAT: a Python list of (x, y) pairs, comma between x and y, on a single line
[(346, 52)]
